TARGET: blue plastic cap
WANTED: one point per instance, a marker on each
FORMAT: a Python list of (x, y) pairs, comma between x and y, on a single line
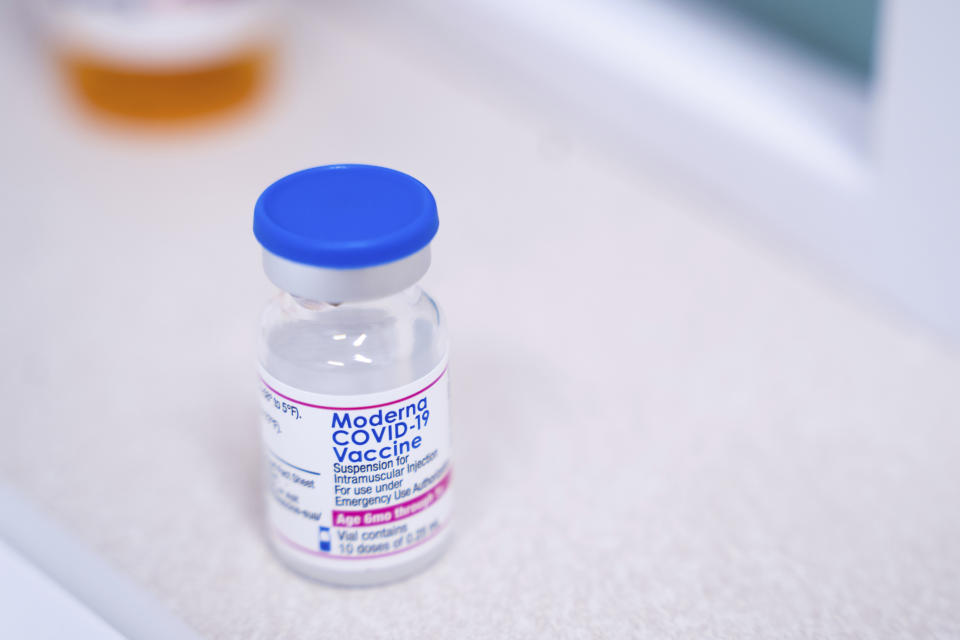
[(345, 216)]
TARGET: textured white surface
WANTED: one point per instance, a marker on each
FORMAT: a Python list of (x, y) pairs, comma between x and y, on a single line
[(664, 427)]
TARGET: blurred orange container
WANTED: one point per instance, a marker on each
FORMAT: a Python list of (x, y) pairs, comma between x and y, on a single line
[(163, 60)]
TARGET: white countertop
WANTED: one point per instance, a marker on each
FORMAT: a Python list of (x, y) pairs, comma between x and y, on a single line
[(666, 425)]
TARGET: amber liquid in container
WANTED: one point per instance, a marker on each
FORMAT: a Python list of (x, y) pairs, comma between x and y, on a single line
[(163, 60), (176, 93)]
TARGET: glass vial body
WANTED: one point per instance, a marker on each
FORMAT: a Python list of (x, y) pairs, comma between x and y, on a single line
[(376, 462)]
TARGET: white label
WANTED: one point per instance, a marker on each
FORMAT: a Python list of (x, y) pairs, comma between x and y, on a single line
[(360, 478)]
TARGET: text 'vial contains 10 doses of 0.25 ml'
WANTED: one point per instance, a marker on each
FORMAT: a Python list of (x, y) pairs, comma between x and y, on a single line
[(353, 369)]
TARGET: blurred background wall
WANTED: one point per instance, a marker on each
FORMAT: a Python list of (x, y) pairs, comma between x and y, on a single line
[(828, 124)]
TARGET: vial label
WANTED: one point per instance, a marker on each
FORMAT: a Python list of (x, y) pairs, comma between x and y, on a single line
[(360, 478)]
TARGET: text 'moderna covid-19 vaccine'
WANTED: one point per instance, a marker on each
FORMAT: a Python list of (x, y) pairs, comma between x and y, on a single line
[(353, 376)]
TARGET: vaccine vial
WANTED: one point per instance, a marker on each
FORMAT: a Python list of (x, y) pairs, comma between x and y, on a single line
[(353, 376)]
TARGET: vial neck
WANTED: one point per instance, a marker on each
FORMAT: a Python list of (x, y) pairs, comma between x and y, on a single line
[(340, 285), (409, 295)]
